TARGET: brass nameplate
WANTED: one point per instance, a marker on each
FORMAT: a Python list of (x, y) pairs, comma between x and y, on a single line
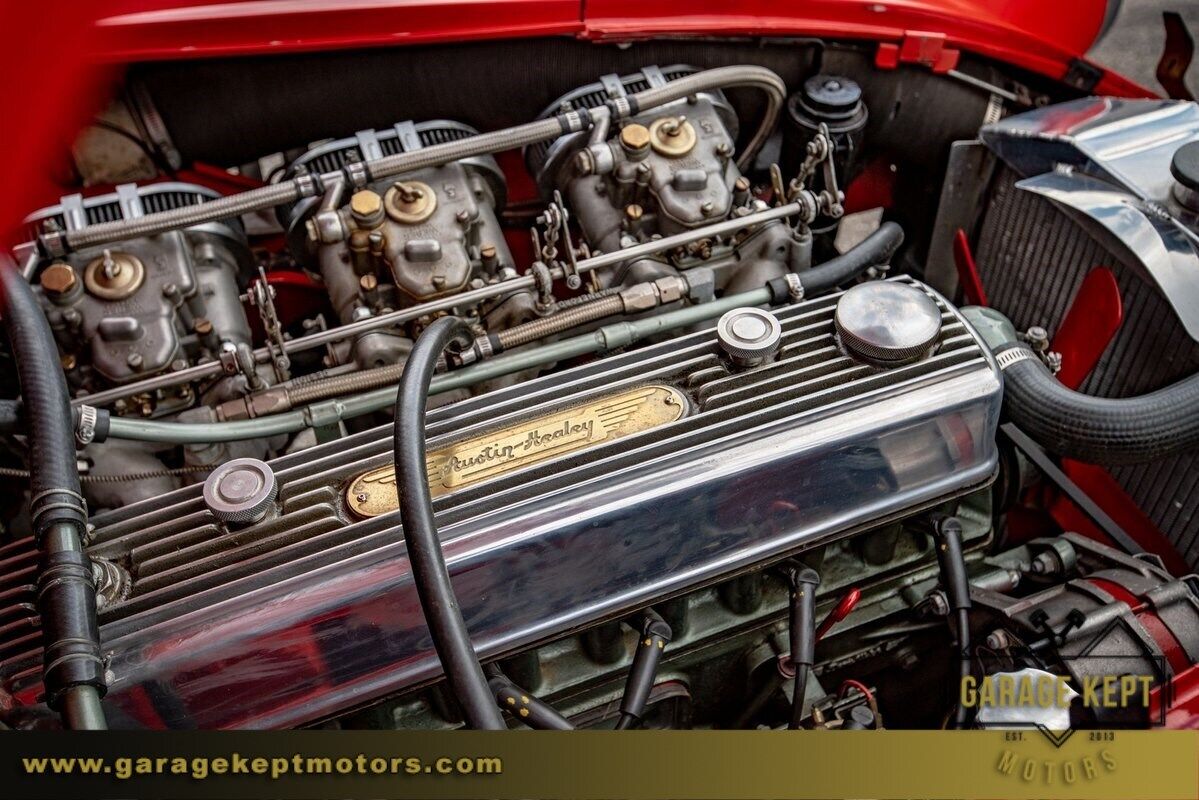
[(473, 460)]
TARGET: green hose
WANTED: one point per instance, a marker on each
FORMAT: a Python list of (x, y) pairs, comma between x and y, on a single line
[(609, 337)]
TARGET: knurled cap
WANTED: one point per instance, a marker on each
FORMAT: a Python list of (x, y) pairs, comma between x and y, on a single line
[(749, 335), (887, 322), (240, 491)]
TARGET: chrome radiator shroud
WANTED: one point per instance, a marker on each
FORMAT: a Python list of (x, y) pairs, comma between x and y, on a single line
[(1032, 259), (312, 611)]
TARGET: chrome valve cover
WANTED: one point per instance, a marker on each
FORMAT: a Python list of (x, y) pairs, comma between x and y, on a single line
[(562, 502)]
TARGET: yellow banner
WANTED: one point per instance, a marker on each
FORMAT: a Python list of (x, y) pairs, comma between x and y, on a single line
[(1145, 765)]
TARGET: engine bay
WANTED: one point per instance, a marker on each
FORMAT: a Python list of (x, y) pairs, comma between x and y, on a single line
[(766, 385)]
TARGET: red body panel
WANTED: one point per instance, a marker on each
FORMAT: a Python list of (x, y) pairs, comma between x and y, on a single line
[(53, 80)]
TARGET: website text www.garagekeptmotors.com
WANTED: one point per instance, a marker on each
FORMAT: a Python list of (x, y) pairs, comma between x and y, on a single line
[(199, 768)]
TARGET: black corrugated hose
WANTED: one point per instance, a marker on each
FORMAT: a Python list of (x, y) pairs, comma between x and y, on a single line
[(451, 639), (73, 672), (1100, 430)]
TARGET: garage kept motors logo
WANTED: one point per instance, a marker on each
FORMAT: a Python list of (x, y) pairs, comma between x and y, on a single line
[(1097, 686)]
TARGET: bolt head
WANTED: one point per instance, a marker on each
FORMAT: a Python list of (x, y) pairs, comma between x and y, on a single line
[(58, 279), (366, 203), (634, 137)]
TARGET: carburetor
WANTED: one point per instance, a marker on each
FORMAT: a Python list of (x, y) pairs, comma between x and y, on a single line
[(663, 172), (138, 308), (400, 241)]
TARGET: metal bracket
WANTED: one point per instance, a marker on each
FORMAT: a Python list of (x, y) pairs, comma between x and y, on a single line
[(918, 47)]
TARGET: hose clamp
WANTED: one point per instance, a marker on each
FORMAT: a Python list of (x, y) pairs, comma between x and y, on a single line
[(795, 290), (483, 347), (1013, 355), (573, 121), (85, 433), (356, 174), (52, 500), (307, 185), (620, 107)]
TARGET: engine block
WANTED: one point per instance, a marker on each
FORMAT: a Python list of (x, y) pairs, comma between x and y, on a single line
[(562, 502)]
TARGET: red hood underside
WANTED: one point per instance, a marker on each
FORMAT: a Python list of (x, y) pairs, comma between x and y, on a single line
[(57, 75)]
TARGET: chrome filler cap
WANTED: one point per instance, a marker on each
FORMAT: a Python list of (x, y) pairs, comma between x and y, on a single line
[(750, 336), (887, 323), (240, 491)]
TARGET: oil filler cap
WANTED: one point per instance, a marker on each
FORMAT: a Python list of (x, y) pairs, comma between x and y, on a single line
[(887, 323), (240, 491), (750, 336)]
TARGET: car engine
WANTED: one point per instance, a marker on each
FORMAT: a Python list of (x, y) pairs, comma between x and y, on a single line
[(720, 432)]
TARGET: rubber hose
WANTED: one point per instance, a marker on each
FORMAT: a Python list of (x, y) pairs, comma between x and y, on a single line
[(66, 594), (451, 639), (875, 250), (12, 419), (1100, 430)]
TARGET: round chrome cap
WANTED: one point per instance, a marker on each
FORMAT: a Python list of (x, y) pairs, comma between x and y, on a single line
[(240, 491), (749, 335), (887, 322)]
